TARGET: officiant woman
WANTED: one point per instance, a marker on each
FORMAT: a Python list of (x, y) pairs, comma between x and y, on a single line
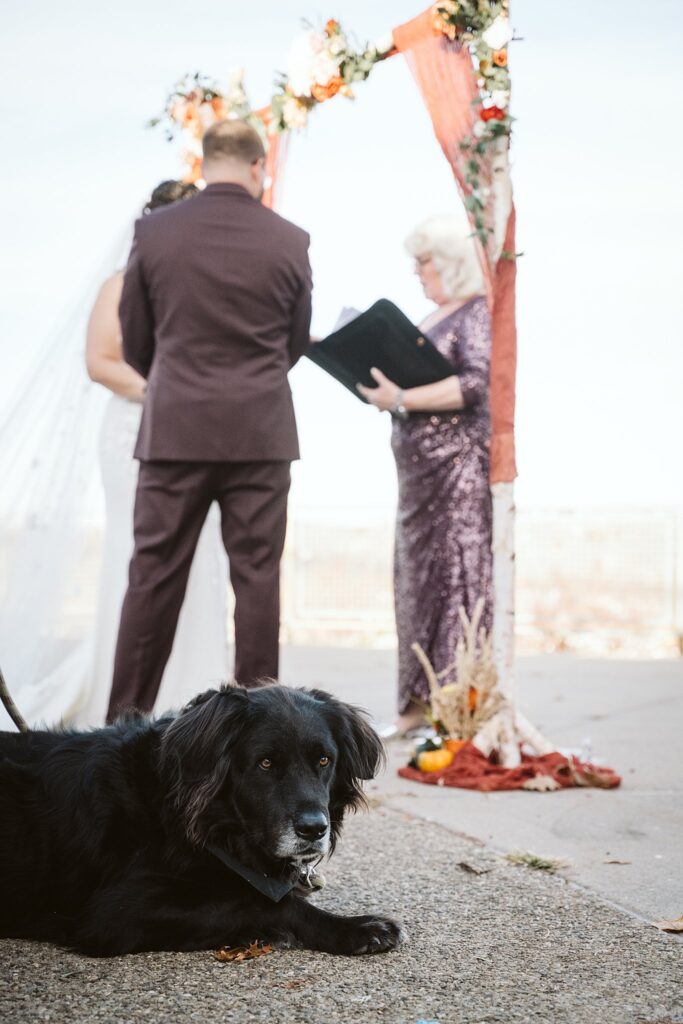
[(441, 439)]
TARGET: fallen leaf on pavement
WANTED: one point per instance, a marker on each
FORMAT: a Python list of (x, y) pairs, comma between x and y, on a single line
[(295, 983), (464, 866), (238, 954), (614, 861), (670, 926)]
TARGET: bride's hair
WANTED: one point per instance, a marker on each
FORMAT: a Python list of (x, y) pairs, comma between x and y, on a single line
[(169, 192), (453, 254)]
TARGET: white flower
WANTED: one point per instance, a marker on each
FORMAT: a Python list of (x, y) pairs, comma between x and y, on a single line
[(479, 128), (235, 94), (498, 34), (500, 98), (207, 115), (193, 144), (302, 55), (338, 44), (325, 68), (293, 113), (385, 43)]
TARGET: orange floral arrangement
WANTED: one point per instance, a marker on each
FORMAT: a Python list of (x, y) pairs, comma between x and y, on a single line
[(322, 64), (194, 104), (483, 26)]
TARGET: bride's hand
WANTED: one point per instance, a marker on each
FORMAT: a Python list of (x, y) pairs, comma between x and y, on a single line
[(384, 396)]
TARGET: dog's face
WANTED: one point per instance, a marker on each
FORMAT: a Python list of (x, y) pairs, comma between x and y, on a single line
[(268, 773), (284, 772)]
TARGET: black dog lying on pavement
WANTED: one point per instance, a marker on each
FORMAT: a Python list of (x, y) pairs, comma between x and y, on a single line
[(189, 832)]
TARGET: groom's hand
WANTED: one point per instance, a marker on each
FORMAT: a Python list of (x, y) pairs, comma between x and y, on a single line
[(384, 396)]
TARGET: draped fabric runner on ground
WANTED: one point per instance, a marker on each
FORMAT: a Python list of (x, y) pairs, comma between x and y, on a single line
[(469, 769)]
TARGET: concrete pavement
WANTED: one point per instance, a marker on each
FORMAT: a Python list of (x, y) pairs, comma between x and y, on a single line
[(497, 944), (508, 945), (629, 713)]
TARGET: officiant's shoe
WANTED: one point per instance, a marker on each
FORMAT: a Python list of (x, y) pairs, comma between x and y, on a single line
[(387, 731)]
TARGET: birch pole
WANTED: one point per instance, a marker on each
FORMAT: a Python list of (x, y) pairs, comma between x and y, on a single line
[(507, 728)]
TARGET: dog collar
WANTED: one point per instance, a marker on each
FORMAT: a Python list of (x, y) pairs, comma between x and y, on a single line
[(274, 888)]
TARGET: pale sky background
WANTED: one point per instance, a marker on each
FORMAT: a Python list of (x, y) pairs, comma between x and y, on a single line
[(597, 158)]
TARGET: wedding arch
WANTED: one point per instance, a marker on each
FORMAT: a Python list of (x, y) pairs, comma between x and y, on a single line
[(457, 51)]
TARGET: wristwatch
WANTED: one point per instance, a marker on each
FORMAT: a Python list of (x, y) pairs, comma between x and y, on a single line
[(398, 409)]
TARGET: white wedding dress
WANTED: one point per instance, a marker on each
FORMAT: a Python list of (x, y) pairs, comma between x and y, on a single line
[(58, 627), (64, 553), (199, 656)]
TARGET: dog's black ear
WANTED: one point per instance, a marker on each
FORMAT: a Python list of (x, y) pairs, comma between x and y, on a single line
[(196, 750), (361, 754)]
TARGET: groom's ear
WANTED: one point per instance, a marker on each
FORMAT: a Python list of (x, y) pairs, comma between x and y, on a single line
[(257, 171)]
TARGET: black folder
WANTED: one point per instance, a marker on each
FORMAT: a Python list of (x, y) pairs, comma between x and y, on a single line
[(383, 337)]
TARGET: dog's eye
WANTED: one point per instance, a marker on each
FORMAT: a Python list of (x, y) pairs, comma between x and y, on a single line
[(324, 761), (265, 763)]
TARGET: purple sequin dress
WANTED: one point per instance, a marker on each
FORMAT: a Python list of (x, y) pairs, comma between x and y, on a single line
[(443, 530)]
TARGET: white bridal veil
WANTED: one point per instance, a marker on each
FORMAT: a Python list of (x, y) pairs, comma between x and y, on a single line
[(51, 519)]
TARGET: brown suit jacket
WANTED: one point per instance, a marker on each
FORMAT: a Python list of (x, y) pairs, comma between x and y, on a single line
[(215, 310)]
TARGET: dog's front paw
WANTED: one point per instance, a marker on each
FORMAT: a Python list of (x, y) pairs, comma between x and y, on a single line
[(373, 935)]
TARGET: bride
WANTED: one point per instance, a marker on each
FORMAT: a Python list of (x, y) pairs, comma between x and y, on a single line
[(199, 655), (58, 665)]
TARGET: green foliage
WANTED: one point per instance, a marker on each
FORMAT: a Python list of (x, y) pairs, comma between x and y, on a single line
[(523, 858), (470, 17)]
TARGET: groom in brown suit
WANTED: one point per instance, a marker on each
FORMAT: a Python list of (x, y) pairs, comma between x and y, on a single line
[(215, 311)]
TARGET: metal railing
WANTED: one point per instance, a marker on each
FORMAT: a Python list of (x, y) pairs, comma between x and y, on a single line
[(600, 581)]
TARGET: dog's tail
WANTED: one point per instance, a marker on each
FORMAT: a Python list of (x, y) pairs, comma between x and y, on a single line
[(10, 706)]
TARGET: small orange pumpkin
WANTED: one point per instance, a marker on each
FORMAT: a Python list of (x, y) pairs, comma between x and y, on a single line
[(434, 760)]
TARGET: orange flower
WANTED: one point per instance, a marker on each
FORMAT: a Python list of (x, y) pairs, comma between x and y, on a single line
[(194, 171), (331, 27), (472, 696), (218, 107), (500, 58), (326, 92), (492, 114), (441, 25), (190, 115)]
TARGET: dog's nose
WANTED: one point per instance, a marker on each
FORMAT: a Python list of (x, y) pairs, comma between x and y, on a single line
[(311, 825)]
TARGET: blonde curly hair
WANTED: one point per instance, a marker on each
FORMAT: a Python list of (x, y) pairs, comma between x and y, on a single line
[(453, 254)]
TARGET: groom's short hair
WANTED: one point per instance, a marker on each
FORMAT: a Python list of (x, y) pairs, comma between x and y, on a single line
[(232, 140)]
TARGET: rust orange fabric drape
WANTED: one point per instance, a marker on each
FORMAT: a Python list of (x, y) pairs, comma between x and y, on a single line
[(445, 76), (275, 160)]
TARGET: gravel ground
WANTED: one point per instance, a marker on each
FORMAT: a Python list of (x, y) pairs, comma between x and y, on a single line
[(510, 945)]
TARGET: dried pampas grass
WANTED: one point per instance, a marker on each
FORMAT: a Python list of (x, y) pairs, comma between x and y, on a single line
[(460, 708)]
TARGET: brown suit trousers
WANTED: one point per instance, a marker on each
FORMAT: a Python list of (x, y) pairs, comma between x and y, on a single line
[(172, 502)]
